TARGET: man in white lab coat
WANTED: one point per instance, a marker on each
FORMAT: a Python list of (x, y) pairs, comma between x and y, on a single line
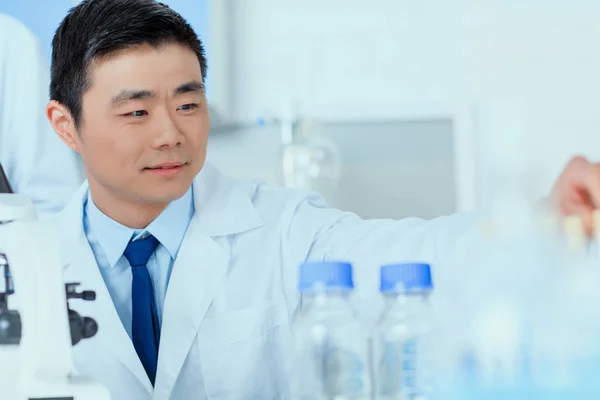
[(36, 162), (195, 273)]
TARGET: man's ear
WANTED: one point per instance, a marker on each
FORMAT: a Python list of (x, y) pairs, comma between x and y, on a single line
[(61, 120)]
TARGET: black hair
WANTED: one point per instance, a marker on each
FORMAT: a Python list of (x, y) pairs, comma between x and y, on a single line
[(96, 28)]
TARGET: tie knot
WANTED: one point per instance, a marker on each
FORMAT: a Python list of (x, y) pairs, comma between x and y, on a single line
[(138, 252)]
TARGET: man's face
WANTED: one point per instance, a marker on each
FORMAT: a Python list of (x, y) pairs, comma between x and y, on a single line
[(144, 125)]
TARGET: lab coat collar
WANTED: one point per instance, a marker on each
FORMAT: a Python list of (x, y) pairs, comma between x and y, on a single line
[(70, 221), (223, 205)]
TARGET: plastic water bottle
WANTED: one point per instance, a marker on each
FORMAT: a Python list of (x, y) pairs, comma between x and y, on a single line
[(330, 346), (401, 337)]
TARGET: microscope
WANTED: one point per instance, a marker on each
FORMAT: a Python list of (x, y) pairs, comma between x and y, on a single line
[(37, 324)]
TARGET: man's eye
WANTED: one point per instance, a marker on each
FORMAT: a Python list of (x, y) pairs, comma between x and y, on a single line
[(137, 114), (188, 107)]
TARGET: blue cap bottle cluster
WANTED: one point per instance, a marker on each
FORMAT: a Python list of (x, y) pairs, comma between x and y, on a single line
[(331, 352)]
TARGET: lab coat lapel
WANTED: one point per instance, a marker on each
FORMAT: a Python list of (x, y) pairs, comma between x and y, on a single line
[(193, 284), (80, 266), (222, 209)]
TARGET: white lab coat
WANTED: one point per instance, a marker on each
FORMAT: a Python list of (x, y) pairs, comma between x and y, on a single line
[(232, 292), (36, 162)]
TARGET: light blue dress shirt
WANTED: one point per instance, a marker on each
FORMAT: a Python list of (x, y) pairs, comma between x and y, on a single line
[(108, 240)]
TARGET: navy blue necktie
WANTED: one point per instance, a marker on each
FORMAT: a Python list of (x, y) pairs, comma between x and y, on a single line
[(145, 329)]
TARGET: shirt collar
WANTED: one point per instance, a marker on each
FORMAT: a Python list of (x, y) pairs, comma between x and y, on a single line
[(169, 228)]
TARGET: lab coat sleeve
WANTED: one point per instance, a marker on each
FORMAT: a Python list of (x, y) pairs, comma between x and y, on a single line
[(36, 162), (320, 233)]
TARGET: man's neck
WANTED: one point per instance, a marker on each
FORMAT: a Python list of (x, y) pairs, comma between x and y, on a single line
[(127, 213)]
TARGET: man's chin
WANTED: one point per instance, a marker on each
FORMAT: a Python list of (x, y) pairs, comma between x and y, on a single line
[(169, 196)]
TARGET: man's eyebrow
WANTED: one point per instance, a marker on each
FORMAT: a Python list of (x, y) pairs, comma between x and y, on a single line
[(126, 95), (191, 86)]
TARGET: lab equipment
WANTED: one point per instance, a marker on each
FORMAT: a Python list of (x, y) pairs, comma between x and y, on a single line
[(330, 345), (10, 336), (310, 160), (401, 348), (37, 326)]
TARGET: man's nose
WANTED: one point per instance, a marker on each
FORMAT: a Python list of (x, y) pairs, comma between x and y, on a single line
[(168, 134)]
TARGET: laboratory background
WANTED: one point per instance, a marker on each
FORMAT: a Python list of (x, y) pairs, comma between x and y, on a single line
[(421, 108), (392, 108)]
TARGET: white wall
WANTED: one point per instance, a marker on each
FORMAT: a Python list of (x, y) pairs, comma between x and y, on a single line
[(341, 59), (533, 69), (522, 76)]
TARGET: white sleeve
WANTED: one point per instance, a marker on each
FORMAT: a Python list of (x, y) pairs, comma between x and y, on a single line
[(36, 162), (319, 233)]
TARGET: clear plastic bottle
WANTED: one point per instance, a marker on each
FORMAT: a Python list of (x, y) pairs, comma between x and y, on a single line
[(401, 348), (330, 346)]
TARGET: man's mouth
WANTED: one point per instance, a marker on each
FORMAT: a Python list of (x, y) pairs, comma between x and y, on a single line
[(166, 169), (168, 165)]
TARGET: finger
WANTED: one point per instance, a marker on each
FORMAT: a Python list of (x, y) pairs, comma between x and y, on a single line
[(576, 201), (582, 210), (571, 182), (575, 233), (587, 219), (592, 184)]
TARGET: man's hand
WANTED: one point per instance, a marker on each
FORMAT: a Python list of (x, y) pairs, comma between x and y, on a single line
[(577, 191)]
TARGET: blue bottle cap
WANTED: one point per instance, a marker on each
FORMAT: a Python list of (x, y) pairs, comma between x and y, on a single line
[(325, 274), (406, 277)]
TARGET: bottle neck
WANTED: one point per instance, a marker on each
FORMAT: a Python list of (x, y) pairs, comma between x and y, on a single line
[(326, 298), (406, 301)]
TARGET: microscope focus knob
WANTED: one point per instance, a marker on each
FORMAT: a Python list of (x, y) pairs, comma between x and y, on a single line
[(89, 327), (88, 295), (81, 327)]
